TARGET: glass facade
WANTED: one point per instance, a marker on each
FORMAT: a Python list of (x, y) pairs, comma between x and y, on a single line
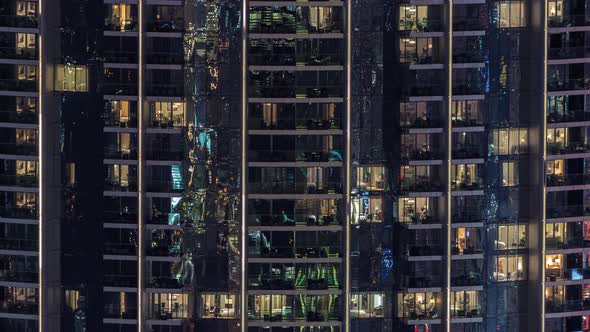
[(294, 166)]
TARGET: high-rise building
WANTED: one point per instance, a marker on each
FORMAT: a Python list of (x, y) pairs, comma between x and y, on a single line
[(294, 166)]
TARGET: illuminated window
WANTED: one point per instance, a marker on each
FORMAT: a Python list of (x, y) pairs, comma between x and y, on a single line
[(465, 304), (70, 174), (367, 209), (26, 104), (555, 167), (167, 114), (512, 14), (366, 305), (120, 18), (414, 305), (26, 136), (27, 73), (414, 18), (219, 305), (510, 141), (371, 178), (26, 8), (555, 8), (26, 40), (168, 306), (73, 78), (511, 237), (509, 268), (26, 168), (509, 174), (416, 209)]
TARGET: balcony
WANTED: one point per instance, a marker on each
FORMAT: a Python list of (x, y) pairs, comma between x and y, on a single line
[(288, 91), (117, 311), (119, 89), (421, 184), (554, 275), (568, 116), (165, 90), (164, 154), (556, 148), (18, 85), (255, 123), (567, 211), (19, 307), (294, 156), (415, 121), (18, 53), (14, 275), (15, 21), (568, 21), (293, 58), (410, 153), (468, 23), (467, 56), (165, 58), (466, 215), (554, 306), (124, 217), (120, 57), (19, 180), (19, 117), (420, 25), (467, 151), (298, 219), (125, 249), (467, 279), (19, 212), (129, 184), (117, 153), (429, 280), (166, 249), (568, 84), (164, 186), (166, 25), (467, 184), (461, 88), (117, 280), (429, 249), (128, 25), (281, 187), (567, 180), (19, 244), (164, 282), (556, 53)]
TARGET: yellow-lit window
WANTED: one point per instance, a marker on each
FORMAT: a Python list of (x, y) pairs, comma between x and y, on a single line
[(512, 14), (26, 8), (555, 167), (219, 306), (366, 305), (510, 141), (555, 8), (511, 237), (509, 174), (26, 136), (121, 17), (26, 168), (26, 40), (371, 178), (509, 268), (27, 72), (73, 78)]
